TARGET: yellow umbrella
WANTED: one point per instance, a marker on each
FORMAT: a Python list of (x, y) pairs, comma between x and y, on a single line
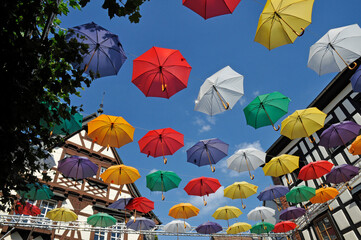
[(240, 190), (184, 211), (324, 194), (120, 174), (238, 227), (280, 22), (62, 214), (303, 123), (226, 213), (281, 165), (110, 131)]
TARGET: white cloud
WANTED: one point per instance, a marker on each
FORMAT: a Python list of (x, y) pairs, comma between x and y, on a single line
[(211, 120), (205, 128), (205, 125), (153, 170), (255, 144), (242, 101), (256, 93)]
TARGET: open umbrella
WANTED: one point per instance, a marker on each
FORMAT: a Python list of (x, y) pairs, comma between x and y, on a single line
[(292, 213), (246, 160), (240, 190), (177, 226), (162, 181), (101, 220), (183, 211), (266, 109), (209, 228), (61, 214), (140, 204), (110, 131), (120, 205), (27, 209), (220, 92), (207, 152), (324, 194), (339, 134), (160, 72), (300, 194), (208, 8), (161, 142), (105, 54), (342, 174), (335, 50), (202, 186), (281, 21), (355, 148), (37, 192), (273, 192), (262, 227), (260, 213), (356, 80), (141, 223), (238, 227), (281, 165), (315, 170), (120, 174), (284, 226), (226, 213), (77, 167)]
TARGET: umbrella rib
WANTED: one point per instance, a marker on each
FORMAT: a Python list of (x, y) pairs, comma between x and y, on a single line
[(151, 83), (86, 35), (111, 62), (165, 70)]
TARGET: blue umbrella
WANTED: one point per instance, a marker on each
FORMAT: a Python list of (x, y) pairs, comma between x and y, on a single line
[(273, 192), (207, 152), (120, 204), (141, 223), (77, 167), (356, 80), (105, 54), (209, 228)]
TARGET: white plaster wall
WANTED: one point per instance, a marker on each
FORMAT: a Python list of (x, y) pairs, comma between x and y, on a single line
[(350, 236), (354, 212), (341, 220), (306, 235)]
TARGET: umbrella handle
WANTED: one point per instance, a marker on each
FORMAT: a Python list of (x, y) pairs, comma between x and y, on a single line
[(205, 202), (330, 208), (243, 205), (300, 34), (288, 181), (312, 139), (213, 169), (354, 66), (165, 160), (349, 187), (163, 197), (276, 129), (251, 177)]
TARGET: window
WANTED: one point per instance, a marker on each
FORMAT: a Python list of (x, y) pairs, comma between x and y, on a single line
[(99, 236), (325, 228), (115, 236), (102, 169), (46, 206)]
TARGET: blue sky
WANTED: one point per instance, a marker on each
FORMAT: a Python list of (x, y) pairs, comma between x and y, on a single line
[(208, 46)]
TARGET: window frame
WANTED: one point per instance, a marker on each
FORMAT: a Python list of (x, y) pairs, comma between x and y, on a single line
[(332, 226)]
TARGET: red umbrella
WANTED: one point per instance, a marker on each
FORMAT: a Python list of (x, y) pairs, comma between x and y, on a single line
[(140, 204), (211, 8), (160, 72), (27, 209), (315, 170), (202, 186), (284, 226), (161, 142)]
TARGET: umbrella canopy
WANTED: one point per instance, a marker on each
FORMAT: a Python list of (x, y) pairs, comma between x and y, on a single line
[(355, 148), (266, 109), (120, 203), (281, 165), (273, 192), (246, 160), (238, 228), (342, 173), (324, 194), (260, 213), (141, 223), (208, 9), (220, 92), (62, 214), (209, 228), (356, 80), (262, 227), (160, 72), (37, 192), (140, 204), (161, 142), (292, 213), (183, 210), (177, 226), (240, 190), (339, 134), (120, 174), (202, 186), (77, 167), (101, 220), (335, 50), (284, 226), (207, 152), (300, 194), (27, 209), (226, 213), (162, 181), (303, 123), (105, 54), (315, 170), (281, 22)]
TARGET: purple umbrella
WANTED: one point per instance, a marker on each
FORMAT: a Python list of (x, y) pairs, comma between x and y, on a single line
[(209, 228), (141, 223), (207, 152), (292, 213), (105, 54), (273, 192), (356, 80), (77, 167), (339, 134), (342, 174), (120, 203)]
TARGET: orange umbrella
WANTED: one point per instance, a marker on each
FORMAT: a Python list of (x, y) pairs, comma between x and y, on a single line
[(355, 148), (324, 194), (184, 211)]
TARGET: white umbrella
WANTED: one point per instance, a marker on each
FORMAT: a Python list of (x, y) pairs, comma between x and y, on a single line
[(261, 213), (335, 50), (246, 160), (177, 226), (220, 92)]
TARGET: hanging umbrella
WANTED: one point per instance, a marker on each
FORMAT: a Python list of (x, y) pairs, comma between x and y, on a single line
[(315, 170), (36, 192), (292, 213), (355, 148), (110, 131), (281, 165), (324, 194), (120, 203), (161, 142), (177, 226), (162, 181), (141, 223), (61, 214), (77, 167), (281, 21), (101, 220), (246, 160), (209, 228), (260, 213), (284, 226), (26, 209), (342, 174), (202, 186), (303, 123), (300, 194), (273, 192), (105, 54), (226, 213), (356, 80), (208, 9), (220, 92), (238, 228), (160, 72), (335, 50), (339, 134), (207, 152), (183, 211), (120, 174), (240, 190), (266, 109), (140, 204), (262, 227)]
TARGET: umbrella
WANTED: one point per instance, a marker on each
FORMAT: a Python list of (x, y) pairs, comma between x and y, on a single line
[(162, 181), (280, 22), (110, 131), (161, 142), (141, 223), (101, 220), (260, 213), (177, 226), (335, 50), (120, 203), (273, 192), (240, 190), (226, 213), (246, 160), (281, 165), (160, 72), (140, 204), (339, 134), (356, 80), (303, 123), (202, 186), (27, 209), (120, 174), (209, 228), (292, 213), (342, 174), (324, 194), (184, 211), (300, 194), (208, 9), (262, 227), (62, 214), (77, 167), (315, 170), (208, 151), (36, 192), (266, 109), (105, 54), (238, 227), (220, 92), (355, 148), (284, 226)]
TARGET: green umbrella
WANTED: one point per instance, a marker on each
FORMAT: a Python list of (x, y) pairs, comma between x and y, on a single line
[(36, 192), (262, 227), (300, 194), (101, 220), (266, 109), (162, 181)]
